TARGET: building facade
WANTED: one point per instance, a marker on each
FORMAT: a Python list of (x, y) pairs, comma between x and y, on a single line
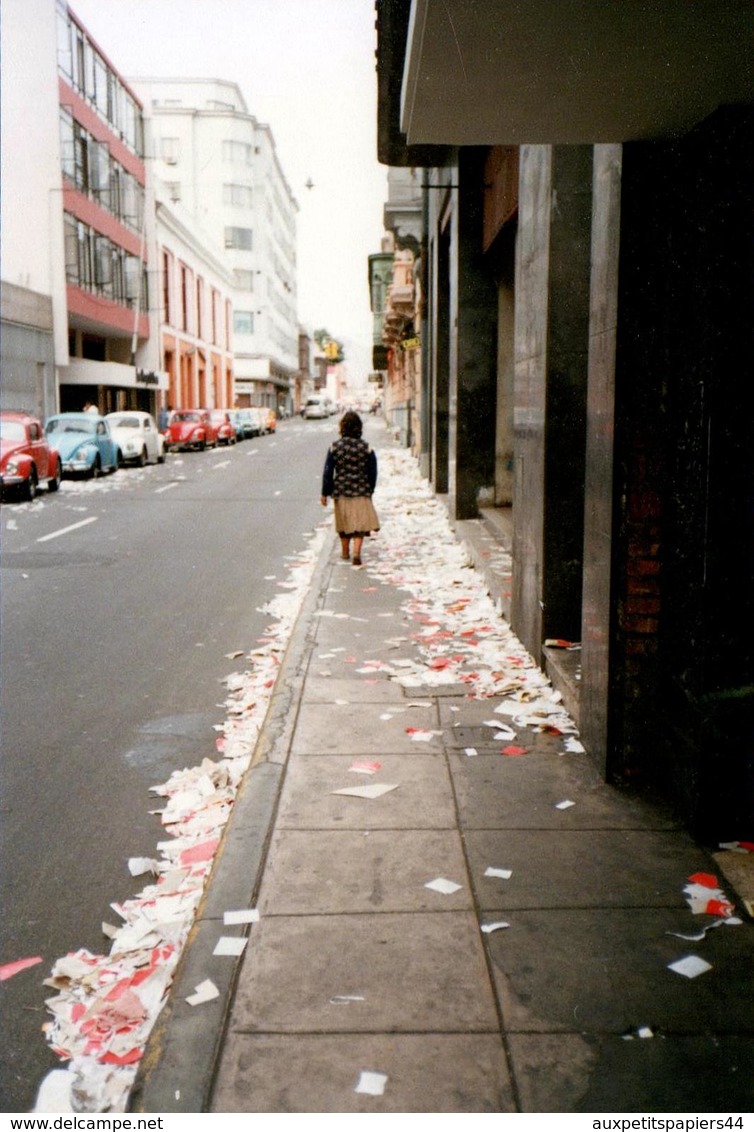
[(75, 215), (241, 198), (195, 288), (587, 341)]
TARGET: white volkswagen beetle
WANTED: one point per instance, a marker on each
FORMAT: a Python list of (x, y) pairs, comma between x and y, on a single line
[(137, 436)]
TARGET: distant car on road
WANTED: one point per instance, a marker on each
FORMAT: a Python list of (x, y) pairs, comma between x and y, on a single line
[(84, 442), (26, 458), (138, 438), (317, 408), (226, 429), (190, 428)]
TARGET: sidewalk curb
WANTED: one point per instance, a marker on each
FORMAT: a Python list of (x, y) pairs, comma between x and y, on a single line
[(177, 1071)]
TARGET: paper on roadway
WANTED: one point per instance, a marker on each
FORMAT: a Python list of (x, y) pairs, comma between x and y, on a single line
[(230, 945), (241, 916), (690, 966), (205, 991), (504, 874)]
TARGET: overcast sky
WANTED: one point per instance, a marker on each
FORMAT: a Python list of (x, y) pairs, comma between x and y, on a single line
[(307, 69)]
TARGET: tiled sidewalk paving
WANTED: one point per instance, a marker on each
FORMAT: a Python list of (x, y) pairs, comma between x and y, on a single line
[(355, 965)]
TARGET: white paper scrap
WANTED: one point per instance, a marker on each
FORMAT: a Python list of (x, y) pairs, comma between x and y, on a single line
[(371, 1083), (495, 926), (373, 790), (137, 866), (574, 746), (690, 966), (564, 805), (54, 1093), (230, 945), (203, 992), (441, 884), (344, 999), (504, 874), (241, 916)]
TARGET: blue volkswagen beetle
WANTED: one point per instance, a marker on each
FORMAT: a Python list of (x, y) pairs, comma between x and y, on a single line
[(85, 443)]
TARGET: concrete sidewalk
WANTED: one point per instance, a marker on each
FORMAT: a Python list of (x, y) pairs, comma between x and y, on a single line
[(356, 966)]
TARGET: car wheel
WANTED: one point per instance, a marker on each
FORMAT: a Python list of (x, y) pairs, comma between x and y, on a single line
[(142, 460), (29, 489), (54, 481), (96, 469), (119, 461), (161, 457)]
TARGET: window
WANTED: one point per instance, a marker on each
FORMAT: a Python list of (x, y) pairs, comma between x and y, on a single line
[(103, 266), (184, 298), (244, 280), (237, 194), (71, 239), (238, 153), (170, 150), (243, 322), (240, 238), (65, 54), (166, 268), (199, 306), (67, 146), (99, 161)]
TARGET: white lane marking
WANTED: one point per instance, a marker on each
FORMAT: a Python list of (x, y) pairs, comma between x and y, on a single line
[(167, 487), (222, 464), (65, 530), (253, 452)]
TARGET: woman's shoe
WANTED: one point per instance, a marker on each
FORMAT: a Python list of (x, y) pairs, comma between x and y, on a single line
[(356, 562)]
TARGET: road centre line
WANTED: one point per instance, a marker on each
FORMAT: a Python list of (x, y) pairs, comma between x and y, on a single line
[(166, 487), (66, 530)]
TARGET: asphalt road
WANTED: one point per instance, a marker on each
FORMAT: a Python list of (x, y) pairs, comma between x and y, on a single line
[(120, 601)]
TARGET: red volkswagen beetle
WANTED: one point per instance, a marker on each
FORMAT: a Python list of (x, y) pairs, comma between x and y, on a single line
[(226, 429), (190, 428), (26, 459)]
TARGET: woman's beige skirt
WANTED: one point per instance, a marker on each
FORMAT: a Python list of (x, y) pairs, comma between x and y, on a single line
[(355, 516)]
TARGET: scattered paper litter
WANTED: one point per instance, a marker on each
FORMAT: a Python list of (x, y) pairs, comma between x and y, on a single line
[(443, 885), (54, 1093), (504, 874), (470, 751), (421, 734), (363, 766), (373, 790), (230, 945), (241, 916), (495, 926), (371, 1083), (138, 866), (564, 805), (8, 970), (205, 991), (640, 1032), (690, 966), (344, 999)]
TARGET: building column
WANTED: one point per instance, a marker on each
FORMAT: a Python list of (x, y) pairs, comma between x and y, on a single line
[(551, 352), (473, 346)]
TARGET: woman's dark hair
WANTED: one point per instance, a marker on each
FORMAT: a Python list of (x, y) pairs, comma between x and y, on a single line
[(350, 424)]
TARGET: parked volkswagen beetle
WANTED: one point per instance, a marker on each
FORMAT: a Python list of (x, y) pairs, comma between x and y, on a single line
[(190, 428), (26, 459), (84, 442), (137, 436)]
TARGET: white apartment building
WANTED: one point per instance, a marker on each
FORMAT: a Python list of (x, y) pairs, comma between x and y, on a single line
[(75, 300), (221, 165)]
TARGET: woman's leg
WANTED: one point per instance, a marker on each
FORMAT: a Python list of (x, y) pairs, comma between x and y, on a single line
[(345, 550), (357, 541)]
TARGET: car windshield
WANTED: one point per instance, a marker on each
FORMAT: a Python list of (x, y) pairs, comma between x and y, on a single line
[(185, 417), (76, 424), (218, 416), (126, 422), (12, 430)]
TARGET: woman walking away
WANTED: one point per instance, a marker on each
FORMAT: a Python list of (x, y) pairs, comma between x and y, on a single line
[(349, 477)]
